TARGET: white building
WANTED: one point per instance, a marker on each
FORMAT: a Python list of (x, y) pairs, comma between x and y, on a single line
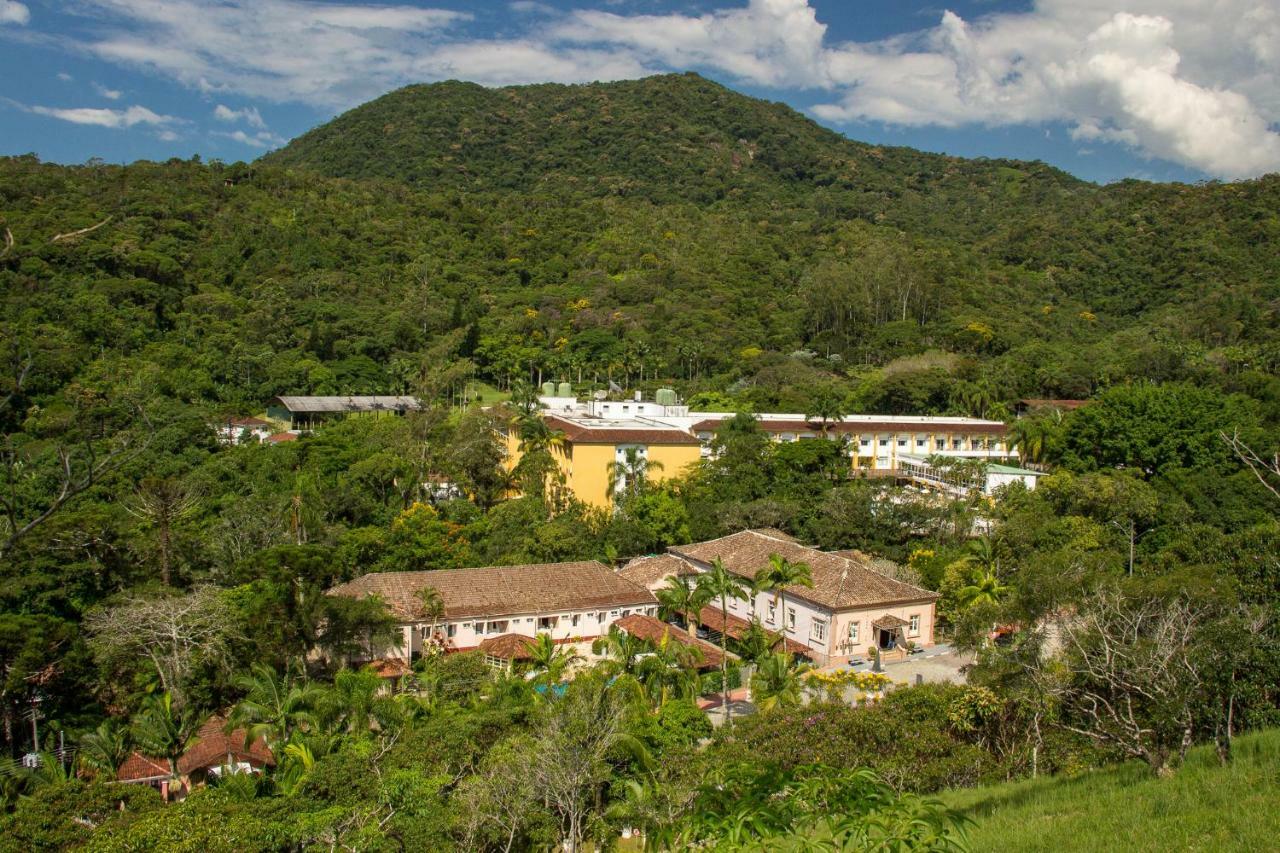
[(569, 601)]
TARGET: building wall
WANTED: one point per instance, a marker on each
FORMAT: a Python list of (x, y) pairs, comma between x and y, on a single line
[(586, 466), (834, 646), (469, 633)]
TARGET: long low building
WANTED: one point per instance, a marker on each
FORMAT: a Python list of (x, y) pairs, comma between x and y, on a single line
[(852, 606), (308, 413), (597, 435), (568, 601)]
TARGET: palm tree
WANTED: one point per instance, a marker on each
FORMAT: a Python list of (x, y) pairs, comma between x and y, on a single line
[(549, 659), (164, 731), (777, 682), (670, 670), (628, 477), (683, 597), (105, 748), (431, 607), (985, 588), (352, 703), (780, 574), (722, 585), (273, 707), (622, 649)]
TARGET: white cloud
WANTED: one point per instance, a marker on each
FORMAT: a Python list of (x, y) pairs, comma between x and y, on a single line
[(167, 136), (249, 115), (109, 94), (1192, 82), (106, 118), (262, 139), (12, 12), (65, 77)]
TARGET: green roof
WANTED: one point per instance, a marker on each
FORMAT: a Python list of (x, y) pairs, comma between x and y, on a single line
[(1012, 469)]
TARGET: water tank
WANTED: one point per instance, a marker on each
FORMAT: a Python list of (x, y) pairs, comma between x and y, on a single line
[(667, 397), (564, 389), (548, 388)]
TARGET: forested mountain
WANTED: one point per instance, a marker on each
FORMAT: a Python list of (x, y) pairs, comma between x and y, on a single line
[(446, 239)]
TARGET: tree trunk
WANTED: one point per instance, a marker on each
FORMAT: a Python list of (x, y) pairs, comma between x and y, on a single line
[(724, 661)]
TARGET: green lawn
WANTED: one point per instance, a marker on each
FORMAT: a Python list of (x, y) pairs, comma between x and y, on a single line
[(1203, 807), (489, 395)]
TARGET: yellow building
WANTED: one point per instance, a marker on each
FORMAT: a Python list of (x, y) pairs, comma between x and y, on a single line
[(591, 446)]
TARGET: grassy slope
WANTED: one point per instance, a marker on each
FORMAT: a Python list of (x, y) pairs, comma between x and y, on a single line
[(1203, 807)]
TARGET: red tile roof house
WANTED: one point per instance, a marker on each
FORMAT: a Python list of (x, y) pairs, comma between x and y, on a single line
[(570, 601), (850, 607), (213, 751)]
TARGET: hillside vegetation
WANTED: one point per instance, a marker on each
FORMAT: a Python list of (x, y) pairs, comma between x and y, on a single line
[(1205, 806)]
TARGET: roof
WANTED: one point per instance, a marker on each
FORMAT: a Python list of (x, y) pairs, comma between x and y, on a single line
[(653, 630), (647, 571), (501, 590), (735, 626), (246, 422), (774, 533), (347, 404), (854, 424), (508, 647), (993, 468), (888, 622), (281, 437), (839, 582), (588, 430), (211, 747), (390, 667), (1053, 404)]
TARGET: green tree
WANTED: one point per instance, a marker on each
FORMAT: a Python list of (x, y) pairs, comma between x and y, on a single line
[(722, 585), (777, 682), (683, 598), (273, 707), (162, 730)]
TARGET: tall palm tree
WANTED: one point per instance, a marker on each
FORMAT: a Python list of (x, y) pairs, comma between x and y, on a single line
[(722, 585), (551, 660), (163, 730), (431, 607), (352, 703), (780, 574), (683, 597), (628, 477), (623, 650), (273, 707), (777, 682), (105, 748)]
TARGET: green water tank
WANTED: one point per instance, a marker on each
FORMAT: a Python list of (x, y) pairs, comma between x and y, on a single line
[(564, 389), (548, 388)]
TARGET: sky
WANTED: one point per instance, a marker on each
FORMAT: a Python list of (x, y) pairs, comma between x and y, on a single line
[(1182, 90)]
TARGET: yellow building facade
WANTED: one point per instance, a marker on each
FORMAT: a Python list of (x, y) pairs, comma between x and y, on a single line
[(590, 447)]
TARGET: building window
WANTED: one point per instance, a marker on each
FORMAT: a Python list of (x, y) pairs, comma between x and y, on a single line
[(600, 617), (864, 442), (574, 619), (913, 626), (788, 436), (818, 630), (957, 443), (853, 633), (920, 442), (902, 442), (884, 442), (547, 623), (791, 618), (773, 612), (450, 630)]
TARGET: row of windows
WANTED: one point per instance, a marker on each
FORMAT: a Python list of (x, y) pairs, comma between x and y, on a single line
[(545, 623)]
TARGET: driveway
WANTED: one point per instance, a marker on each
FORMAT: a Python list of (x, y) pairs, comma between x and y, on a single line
[(935, 664)]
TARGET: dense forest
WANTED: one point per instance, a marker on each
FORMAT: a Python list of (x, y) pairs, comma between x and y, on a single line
[(464, 244)]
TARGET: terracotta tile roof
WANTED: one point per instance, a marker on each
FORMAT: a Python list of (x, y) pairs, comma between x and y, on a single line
[(888, 622), (390, 668), (653, 630), (648, 571), (605, 433), (736, 626), (502, 590), (211, 748), (839, 583), (508, 647), (280, 437), (774, 533)]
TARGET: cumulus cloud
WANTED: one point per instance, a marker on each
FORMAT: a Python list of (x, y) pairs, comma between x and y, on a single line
[(12, 12), (109, 94), (1194, 83), (128, 117), (261, 139), (249, 115)]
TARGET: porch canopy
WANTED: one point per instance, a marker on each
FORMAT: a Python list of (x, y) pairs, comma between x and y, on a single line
[(889, 622)]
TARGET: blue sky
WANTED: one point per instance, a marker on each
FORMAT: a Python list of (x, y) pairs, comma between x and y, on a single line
[(1106, 89)]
